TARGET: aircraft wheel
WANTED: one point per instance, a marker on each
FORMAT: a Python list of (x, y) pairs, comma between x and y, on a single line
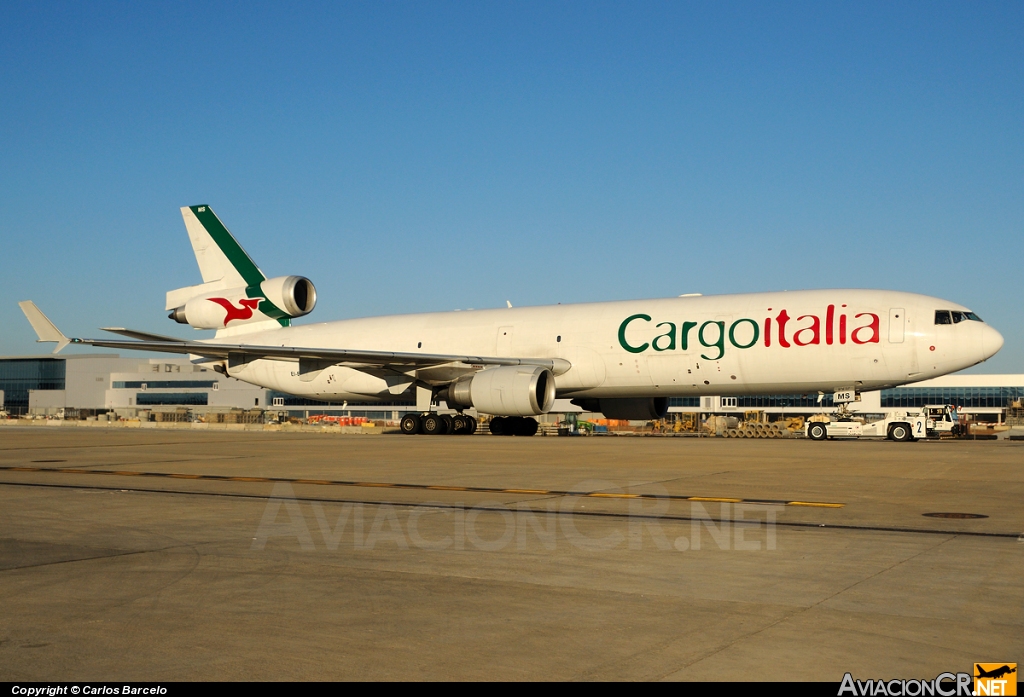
[(471, 429), (434, 425), (449, 423), (901, 433), (527, 427), (460, 424), (817, 432), (410, 424), (498, 426)]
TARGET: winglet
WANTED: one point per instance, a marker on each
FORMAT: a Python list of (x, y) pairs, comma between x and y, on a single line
[(45, 329)]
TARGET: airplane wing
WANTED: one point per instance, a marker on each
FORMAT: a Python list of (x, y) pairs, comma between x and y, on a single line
[(311, 359), (247, 352), (136, 334)]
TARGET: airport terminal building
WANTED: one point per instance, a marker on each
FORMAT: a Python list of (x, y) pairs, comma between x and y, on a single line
[(90, 384), (983, 397)]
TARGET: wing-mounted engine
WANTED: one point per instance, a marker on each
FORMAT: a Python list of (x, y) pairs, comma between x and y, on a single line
[(514, 390), (282, 299), (640, 409)]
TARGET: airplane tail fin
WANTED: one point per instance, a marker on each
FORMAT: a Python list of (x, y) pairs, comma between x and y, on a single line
[(222, 261), (45, 329), (218, 253), (235, 296)]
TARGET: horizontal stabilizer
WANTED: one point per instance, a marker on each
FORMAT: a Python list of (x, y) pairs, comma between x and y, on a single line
[(45, 329), (177, 298)]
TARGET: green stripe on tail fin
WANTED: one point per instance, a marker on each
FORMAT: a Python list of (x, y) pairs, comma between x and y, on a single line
[(232, 251)]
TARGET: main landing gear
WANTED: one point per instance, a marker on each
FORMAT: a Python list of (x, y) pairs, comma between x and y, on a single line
[(438, 424), (465, 425)]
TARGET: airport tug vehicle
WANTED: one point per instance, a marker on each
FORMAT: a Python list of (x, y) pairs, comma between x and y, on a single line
[(898, 425)]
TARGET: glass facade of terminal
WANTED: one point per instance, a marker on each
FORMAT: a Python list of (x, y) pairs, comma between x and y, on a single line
[(19, 375), (187, 399), (959, 396), (291, 400), (161, 384), (900, 397), (761, 401), (784, 401)]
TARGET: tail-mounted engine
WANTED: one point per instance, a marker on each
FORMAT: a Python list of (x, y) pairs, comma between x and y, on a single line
[(514, 390), (281, 299)]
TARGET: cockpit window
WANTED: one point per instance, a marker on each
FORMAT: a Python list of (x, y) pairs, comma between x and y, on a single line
[(954, 317)]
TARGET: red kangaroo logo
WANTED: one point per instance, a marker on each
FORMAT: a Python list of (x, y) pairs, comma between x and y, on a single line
[(243, 312)]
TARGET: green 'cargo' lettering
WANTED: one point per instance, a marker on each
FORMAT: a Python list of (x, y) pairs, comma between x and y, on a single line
[(732, 334), (670, 335), (719, 342), (622, 334)]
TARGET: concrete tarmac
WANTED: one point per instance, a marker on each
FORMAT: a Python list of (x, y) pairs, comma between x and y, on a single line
[(173, 555)]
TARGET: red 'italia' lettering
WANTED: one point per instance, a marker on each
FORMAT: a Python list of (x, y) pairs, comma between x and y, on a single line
[(873, 326), (815, 330), (801, 334), (782, 319)]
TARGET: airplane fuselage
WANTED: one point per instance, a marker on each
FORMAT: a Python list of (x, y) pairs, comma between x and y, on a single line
[(759, 343)]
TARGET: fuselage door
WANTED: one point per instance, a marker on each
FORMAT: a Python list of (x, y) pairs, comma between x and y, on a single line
[(897, 324)]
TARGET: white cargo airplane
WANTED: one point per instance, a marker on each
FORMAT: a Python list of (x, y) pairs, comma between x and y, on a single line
[(624, 359)]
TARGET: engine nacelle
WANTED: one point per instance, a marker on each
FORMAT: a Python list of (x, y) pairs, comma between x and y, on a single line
[(278, 298), (295, 295), (639, 409), (513, 390)]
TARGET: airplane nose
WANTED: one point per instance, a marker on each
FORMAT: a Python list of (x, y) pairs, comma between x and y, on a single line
[(991, 342)]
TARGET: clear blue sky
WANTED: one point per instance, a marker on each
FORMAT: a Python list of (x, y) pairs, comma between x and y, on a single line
[(430, 156)]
